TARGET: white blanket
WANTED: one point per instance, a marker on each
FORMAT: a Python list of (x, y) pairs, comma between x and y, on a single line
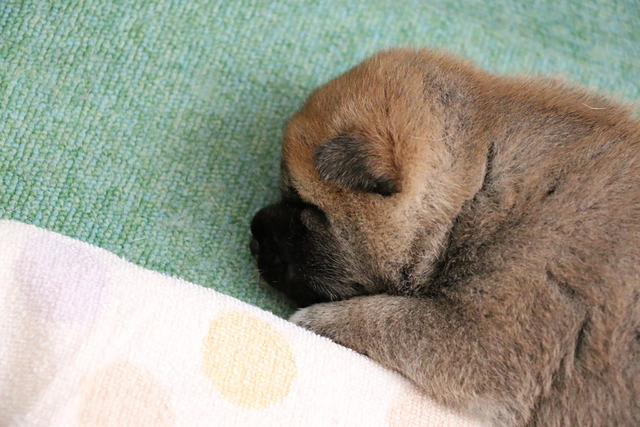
[(90, 339)]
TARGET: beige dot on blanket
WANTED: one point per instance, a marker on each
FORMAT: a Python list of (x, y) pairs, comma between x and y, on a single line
[(122, 394), (248, 361), (60, 279)]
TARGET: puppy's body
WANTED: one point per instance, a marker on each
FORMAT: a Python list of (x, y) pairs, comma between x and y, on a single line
[(481, 232)]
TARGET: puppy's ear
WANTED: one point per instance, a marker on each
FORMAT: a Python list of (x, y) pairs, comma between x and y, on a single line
[(344, 161)]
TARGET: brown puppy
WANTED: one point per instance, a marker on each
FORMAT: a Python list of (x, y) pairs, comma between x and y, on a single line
[(479, 234)]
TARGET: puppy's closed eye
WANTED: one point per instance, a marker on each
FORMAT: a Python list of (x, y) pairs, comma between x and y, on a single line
[(344, 161)]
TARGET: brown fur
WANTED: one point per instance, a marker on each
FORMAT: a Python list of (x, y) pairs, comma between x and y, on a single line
[(502, 272)]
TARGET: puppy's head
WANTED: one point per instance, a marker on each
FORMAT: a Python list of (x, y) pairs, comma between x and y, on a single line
[(373, 172)]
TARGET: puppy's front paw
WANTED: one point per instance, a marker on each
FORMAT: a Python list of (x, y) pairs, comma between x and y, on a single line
[(348, 322), (301, 317), (322, 319)]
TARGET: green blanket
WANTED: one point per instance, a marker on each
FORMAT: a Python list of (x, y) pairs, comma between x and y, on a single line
[(151, 128)]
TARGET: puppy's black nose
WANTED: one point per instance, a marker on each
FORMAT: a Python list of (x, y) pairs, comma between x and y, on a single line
[(254, 246), (273, 228), (266, 244)]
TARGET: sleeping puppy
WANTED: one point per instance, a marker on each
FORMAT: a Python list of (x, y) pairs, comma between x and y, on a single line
[(479, 234)]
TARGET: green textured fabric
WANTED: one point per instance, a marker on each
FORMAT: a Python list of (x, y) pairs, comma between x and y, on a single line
[(151, 128)]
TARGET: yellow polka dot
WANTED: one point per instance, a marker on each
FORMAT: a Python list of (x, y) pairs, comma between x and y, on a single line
[(247, 360), (124, 395)]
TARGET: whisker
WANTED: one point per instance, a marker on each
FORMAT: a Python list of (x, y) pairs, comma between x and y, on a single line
[(594, 108)]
